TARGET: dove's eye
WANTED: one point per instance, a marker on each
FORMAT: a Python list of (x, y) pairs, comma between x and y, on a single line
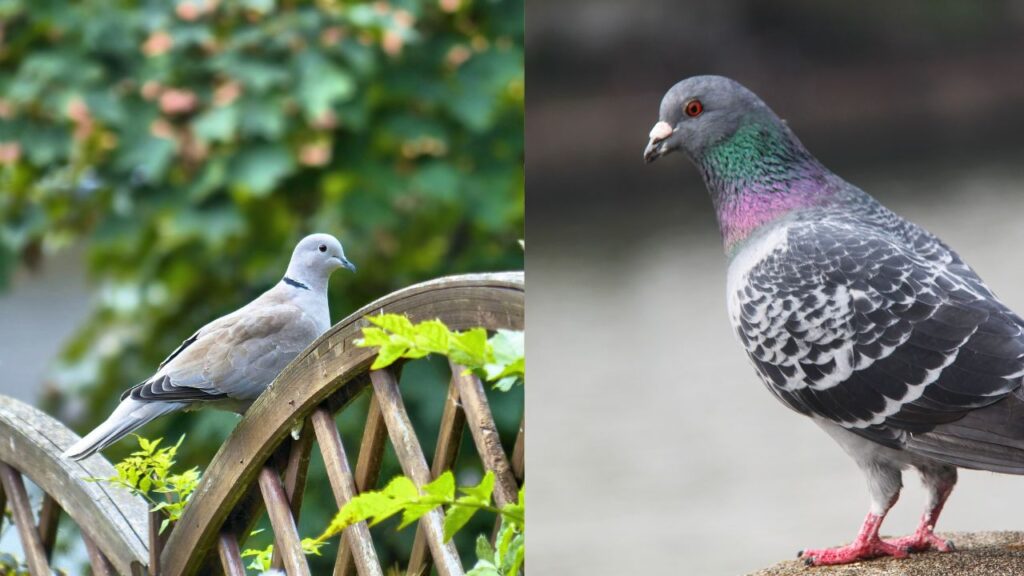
[(693, 108), (322, 248)]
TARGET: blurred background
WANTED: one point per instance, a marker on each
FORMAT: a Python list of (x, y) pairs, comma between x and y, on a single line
[(158, 161), (654, 448)]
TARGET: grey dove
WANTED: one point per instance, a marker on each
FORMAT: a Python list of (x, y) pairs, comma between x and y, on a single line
[(851, 315), (229, 362)]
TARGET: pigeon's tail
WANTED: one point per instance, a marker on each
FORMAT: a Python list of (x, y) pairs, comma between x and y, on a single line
[(989, 438), (129, 415)]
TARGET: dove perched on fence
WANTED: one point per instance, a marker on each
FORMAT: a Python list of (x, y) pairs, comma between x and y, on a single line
[(851, 315), (229, 362)]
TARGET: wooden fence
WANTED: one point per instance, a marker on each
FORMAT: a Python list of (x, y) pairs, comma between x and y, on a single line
[(261, 469)]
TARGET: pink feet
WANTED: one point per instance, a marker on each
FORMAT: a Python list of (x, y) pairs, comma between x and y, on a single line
[(873, 547), (860, 549), (923, 540)]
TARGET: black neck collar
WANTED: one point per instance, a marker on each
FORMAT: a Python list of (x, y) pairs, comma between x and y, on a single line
[(295, 283)]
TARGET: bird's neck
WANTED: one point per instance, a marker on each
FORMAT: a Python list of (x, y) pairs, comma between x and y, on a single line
[(759, 175), (299, 279)]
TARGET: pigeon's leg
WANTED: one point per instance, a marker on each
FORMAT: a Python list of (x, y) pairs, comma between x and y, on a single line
[(884, 482), (939, 480)]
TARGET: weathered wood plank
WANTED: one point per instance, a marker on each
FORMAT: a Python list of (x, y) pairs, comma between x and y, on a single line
[(21, 508), (295, 478), (49, 517), (297, 467), (114, 519), (332, 362), (371, 448), (99, 563), (371, 453), (156, 540), (453, 421), (518, 468), (286, 533), (414, 465), (230, 556), (485, 434), (356, 538)]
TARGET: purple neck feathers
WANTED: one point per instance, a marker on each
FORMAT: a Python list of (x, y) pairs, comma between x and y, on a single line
[(759, 175)]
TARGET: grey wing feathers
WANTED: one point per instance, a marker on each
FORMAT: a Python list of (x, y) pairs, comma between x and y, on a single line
[(990, 438), (897, 344), (235, 356)]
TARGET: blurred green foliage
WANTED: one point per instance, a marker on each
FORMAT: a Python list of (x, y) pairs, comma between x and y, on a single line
[(185, 146)]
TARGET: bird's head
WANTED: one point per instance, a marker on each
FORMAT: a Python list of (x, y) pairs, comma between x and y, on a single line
[(701, 111), (316, 256)]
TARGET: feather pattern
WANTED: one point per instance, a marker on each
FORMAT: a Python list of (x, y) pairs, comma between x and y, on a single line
[(852, 314)]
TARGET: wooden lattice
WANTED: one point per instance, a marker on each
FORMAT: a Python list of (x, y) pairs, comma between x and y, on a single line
[(260, 467)]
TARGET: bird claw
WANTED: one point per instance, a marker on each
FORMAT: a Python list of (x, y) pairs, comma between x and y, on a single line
[(923, 541), (859, 550)]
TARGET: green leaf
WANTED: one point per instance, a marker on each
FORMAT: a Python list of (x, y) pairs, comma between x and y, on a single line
[(311, 546), (412, 512), (401, 488), (509, 346), (258, 170), (483, 549), (322, 84), (505, 384), (469, 348), (261, 118), (481, 493), (484, 568), (512, 552), (373, 337), (217, 124), (457, 517), (148, 157), (433, 336), (442, 487), (260, 6), (387, 356), (395, 323)]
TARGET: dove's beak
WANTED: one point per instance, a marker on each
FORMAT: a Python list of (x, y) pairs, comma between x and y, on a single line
[(346, 264), (657, 146)]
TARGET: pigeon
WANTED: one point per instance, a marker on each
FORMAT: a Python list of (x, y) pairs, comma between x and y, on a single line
[(229, 362), (851, 315)]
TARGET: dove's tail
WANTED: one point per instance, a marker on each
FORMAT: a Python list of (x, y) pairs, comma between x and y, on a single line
[(129, 415)]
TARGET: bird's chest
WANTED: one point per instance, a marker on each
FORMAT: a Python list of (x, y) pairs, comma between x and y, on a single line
[(316, 316), (740, 289)]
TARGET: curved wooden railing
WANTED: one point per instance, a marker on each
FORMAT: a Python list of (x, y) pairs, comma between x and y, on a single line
[(262, 468), (113, 523), (317, 385)]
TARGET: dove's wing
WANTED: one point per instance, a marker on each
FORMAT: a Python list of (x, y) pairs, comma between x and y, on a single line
[(883, 338), (235, 356)]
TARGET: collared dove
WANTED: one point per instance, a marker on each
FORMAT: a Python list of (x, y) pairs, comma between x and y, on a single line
[(852, 315), (229, 362)]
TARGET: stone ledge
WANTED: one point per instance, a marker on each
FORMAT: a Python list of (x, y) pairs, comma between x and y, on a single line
[(977, 554)]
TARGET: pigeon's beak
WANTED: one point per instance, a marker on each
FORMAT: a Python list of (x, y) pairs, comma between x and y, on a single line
[(656, 147), (346, 264)]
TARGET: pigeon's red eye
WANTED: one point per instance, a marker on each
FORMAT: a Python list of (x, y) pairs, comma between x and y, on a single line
[(322, 248), (693, 108)]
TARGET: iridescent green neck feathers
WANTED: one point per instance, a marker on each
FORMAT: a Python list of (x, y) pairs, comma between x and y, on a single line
[(758, 175)]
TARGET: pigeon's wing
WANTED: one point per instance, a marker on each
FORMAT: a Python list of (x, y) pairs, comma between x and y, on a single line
[(235, 356), (875, 334)]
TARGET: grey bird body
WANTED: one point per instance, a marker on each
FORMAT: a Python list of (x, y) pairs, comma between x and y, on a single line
[(851, 315), (229, 362)]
